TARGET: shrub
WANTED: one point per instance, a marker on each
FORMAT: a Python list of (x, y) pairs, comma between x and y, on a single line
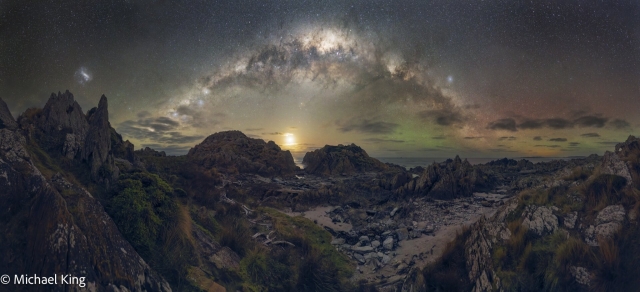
[(265, 271), (604, 190), (236, 235), (142, 206), (449, 272)]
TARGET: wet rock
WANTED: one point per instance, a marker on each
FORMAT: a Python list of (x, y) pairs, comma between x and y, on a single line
[(402, 233), (375, 244), (371, 212), (393, 212), (388, 243), (360, 258), (338, 241), (540, 220), (364, 239), (362, 249), (385, 259)]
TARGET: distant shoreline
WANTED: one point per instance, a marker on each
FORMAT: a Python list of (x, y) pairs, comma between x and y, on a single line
[(410, 162)]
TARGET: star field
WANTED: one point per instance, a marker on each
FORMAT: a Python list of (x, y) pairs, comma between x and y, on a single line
[(399, 78)]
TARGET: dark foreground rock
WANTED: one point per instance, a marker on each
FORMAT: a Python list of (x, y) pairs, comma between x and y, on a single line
[(50, 226)]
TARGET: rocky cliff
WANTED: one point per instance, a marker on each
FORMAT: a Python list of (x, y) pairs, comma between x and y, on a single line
[(234, 152), (51, 226), (341, 159)]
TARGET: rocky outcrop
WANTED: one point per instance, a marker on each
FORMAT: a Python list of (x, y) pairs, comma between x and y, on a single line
[(97, 147), (63, 126), (612, 164), (62, 129), (608, 221), (448, 180), (6, 119), (540, 220), (233, 151), (483, 236), (146, 151), (624, 161), (341, 159), (53, 227)]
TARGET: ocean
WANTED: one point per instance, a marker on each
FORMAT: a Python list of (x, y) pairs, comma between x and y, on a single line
[(410, 162)]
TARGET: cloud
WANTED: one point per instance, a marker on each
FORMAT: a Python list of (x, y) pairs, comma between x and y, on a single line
[(274, 134), (574, 144), (558, 123), (445, 117), (537, 138), (548, 146), (558, 139), (609, 143), (510, 138), (378, 140), (472, 138), (158, 130), (590, 121), (253, 129), (367, 126), (439, 137), (508, 124), (620, 124), (194, 116), (531, 124), (590, 135), (143, 114)]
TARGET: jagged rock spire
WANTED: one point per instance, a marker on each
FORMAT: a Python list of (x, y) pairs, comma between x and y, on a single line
[(97, 145), (6, 119)]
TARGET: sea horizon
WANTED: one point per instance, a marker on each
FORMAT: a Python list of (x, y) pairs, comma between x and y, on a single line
[(411, 162)]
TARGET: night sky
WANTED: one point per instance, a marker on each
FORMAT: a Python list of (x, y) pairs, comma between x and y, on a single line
[(399, 78)]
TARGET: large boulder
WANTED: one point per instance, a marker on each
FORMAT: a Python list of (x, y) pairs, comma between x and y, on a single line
[(233, 151), (335, 160)]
